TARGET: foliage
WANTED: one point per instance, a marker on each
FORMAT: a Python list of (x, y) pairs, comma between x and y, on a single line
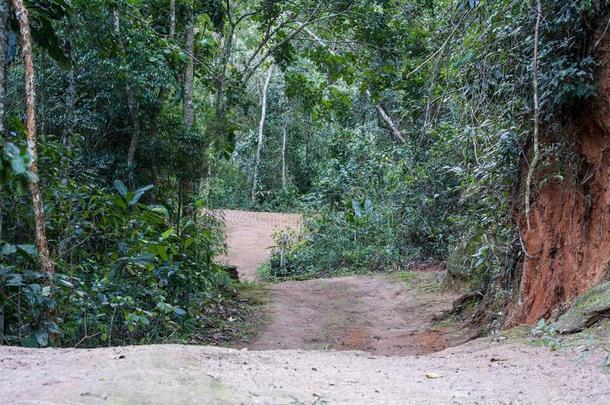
[(125, 274), (544, 334)]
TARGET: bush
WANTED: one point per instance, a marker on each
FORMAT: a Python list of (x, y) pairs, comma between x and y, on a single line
[(125, 273)]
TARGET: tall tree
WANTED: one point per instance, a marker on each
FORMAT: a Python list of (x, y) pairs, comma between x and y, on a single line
[(284, 146), (70, 97), (172, 19), (536, 158), (32, 142), (189, 74), (261, 129), (4, 14), (132, 103)]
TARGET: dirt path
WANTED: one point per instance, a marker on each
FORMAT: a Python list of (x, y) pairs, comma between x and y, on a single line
[(377, 314), (250, 237), (392, 318)]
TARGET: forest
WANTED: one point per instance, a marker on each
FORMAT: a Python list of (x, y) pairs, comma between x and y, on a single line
[(469, 136)]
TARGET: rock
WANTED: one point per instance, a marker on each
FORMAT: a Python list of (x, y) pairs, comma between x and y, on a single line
[(231, 270), (586, 310), (433, 376)]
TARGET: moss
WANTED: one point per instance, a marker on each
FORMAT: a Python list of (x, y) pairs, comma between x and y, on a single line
[(405, 277), (586, 310)]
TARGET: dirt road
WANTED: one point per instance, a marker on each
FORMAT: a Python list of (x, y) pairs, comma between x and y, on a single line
[(250, 237), (390, 318)]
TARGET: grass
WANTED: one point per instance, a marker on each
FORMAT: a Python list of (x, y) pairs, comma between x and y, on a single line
[(423, 282)]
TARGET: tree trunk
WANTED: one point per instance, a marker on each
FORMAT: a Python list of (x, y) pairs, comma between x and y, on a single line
[(189, 74), (42, 93), (284, 144), (536, 158), (70, 100), (172, 19), (388, 120), (189, 88), (132, 104), (32, 147), (4, 13), (261, 128), (220, 80)]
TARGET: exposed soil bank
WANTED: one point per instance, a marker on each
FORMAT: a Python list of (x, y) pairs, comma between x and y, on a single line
[(568, 245)]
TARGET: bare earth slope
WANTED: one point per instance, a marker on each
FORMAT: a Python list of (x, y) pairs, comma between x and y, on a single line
[(376, 314)]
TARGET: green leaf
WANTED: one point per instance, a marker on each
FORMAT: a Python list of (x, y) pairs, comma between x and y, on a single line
[(168, 233), (139, 193), (357, 208), (368, 205), (15, 280), (163, 253), (8, 249), (18, 165), (179, 311), (120, 187), (29, 250), (42, 337)]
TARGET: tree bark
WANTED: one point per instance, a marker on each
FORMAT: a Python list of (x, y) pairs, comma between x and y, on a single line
[(222, 76), (132, 104), (4, 14), (172, 19), (261, 128), (70, 100), (34, 186), (536, 159), (284, 144), (388, 120), (189, 74)]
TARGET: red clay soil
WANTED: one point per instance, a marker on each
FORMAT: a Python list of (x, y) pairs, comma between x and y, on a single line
[(568, 248), (376, 314), (250, 237)]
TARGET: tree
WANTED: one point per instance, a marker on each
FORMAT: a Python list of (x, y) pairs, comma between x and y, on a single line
[(189, 74), (48, 268), (284, 146), (70, 98), (261, 129), (172, 19), (132, 103), (4, 14)]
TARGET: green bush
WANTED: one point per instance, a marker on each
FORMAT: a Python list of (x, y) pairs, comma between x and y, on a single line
[(125, 273)]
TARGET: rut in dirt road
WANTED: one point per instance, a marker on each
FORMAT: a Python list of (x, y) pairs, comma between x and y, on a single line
[(370, 313), (373, 314), (250, 237)]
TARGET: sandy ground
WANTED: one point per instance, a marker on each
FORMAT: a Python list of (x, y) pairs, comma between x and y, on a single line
[(391, 319), (477, 373)]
